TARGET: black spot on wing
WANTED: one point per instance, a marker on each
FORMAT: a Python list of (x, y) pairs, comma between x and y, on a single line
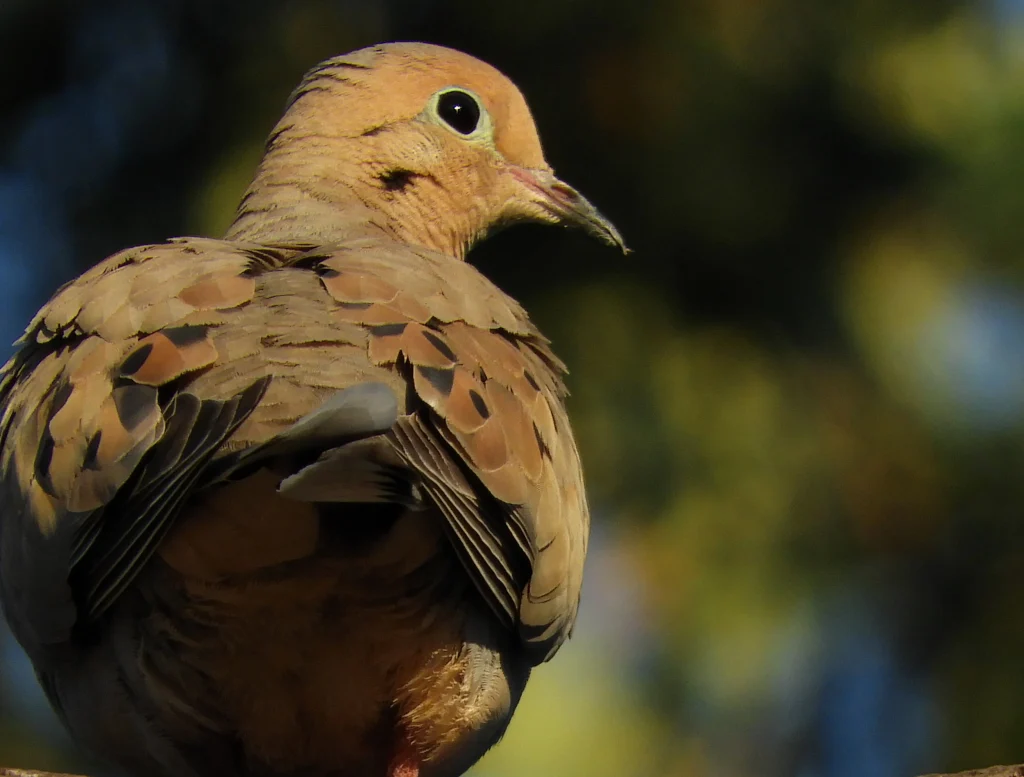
[(134, 404), (60, 398), (387, 330), (323, 271), (540, 442), (183, 336), (441, 346), (44, 455), (479, 403), (92, 451), (441, 378), (134, 361)]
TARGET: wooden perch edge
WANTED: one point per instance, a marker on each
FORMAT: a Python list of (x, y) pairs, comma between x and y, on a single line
[(992, 771)]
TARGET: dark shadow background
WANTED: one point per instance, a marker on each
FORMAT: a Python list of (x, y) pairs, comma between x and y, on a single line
[(800, 401)]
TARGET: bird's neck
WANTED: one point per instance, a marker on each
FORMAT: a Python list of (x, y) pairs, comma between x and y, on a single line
[(322, 199), (295, 202)]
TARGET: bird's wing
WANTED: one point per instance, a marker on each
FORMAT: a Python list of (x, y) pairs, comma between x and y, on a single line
[(168, 366), (102, 437), (487, 431)]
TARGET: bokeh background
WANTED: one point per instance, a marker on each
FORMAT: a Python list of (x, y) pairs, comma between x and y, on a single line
[(800, 400)]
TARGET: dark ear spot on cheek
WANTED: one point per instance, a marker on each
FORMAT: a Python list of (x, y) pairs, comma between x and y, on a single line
[(396, 180)]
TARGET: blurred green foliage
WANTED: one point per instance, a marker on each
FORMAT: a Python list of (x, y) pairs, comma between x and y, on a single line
[(800, 400)]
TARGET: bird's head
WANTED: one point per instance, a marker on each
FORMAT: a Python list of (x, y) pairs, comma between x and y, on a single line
[(435, 143)]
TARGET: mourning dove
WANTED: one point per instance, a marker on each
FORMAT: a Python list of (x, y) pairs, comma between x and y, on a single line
[(305, 500)]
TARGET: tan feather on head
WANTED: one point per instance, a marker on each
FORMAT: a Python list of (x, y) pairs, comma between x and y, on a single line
[(438, 147)]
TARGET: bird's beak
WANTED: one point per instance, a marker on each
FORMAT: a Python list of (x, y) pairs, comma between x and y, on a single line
[(567, 206)]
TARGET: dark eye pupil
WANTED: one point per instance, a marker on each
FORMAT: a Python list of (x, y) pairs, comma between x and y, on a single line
[(459, 111)]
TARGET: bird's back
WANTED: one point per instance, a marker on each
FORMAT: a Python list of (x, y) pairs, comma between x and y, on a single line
[(263, 605)]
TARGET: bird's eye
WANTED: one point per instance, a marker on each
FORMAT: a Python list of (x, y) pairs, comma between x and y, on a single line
[(460, 111)]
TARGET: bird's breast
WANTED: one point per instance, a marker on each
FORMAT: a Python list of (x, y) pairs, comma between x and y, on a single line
[(321, 648)]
